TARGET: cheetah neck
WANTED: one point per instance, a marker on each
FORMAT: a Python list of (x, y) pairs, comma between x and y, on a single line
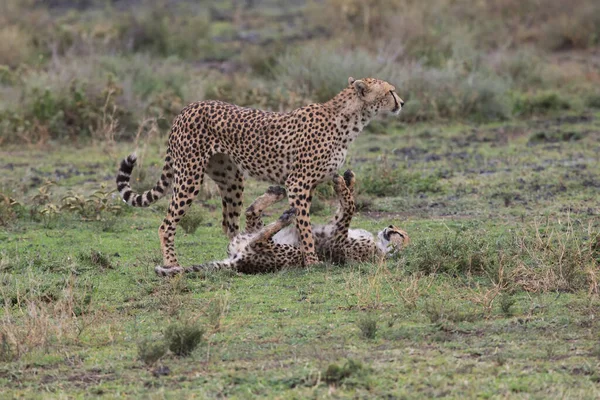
[(350, 114)]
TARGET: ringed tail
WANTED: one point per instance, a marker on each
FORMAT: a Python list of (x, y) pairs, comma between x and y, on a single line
[(149, 196), (204, 268)]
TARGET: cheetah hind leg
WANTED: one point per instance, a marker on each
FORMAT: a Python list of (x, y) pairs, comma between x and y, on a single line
[(186, 188), (286, 219), (254, 221), (230, 181), (337, 245)]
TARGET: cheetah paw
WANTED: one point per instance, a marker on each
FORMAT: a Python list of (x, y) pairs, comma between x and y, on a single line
[(350, 178), (288, 215)]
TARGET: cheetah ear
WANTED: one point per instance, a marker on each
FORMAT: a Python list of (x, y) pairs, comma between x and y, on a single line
[(360, 87), (351, 80)]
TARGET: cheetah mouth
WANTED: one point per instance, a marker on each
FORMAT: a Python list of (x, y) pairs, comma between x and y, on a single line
[(397, 107), (387, 234)]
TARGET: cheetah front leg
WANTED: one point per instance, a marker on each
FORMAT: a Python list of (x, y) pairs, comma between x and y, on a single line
[(299, 197)]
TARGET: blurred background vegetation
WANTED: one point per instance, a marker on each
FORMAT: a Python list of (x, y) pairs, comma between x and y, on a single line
[(80, 69)]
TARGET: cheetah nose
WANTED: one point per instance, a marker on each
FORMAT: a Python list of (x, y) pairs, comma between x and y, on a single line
[(401, 103)]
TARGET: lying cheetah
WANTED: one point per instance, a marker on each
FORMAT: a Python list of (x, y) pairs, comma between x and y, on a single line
[(299, 149), (276, 246)]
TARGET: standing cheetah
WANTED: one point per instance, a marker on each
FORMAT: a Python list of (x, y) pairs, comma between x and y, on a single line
[(276, 246), (299, 149)]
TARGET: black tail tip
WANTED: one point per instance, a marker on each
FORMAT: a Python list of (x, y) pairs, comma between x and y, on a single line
[(132, 158)]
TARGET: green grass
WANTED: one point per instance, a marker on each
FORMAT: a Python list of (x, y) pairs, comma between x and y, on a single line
[(492, 169), (495, 296)]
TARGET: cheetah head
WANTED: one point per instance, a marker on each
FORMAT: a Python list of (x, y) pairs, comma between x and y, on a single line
[(392, 239), (377, 96)]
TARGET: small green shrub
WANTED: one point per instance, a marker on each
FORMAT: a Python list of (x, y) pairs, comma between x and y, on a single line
[(368, 326), (318, 206), (321, 72), (593, 100), (192, 220), (507, 301), (182, 339), (541, 103), (95, 259), (452, 93), (363, 202), (7, 354), (151, 350), (76, 111), (351, 373)]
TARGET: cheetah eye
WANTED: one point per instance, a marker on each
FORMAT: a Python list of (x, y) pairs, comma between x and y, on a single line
[(391, 226)]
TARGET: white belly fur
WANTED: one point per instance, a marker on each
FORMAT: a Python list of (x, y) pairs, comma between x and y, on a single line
[(288, 235)]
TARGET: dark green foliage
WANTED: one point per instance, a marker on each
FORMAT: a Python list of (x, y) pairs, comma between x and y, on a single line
[(95, 259), (507, 301), (352, 373), (192, 220), (182, 339), (6, 352), (593, 100), (150, 350), (541, 103), (368, 326)]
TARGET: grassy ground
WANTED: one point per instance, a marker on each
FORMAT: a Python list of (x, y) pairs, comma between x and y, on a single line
[(492, 168), (496, 296)]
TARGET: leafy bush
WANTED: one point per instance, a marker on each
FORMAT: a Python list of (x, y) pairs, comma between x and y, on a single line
[(151, 350), (368, 326), (507, 301), (182, 339), (320, 72), (593, 100), (452, 93), (95, 259), (192, 220), (351, 373), (525, 67), (541, 103)]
